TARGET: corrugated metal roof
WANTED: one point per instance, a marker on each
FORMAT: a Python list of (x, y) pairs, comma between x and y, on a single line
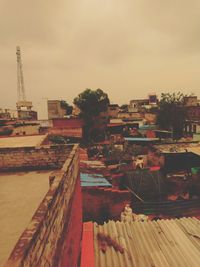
[(162, 243), (180, 207)]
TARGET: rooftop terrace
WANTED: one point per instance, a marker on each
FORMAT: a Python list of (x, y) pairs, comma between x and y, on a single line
[(20, 195), (21, 141)]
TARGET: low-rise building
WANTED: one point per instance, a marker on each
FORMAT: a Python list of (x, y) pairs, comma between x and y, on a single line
[(113, 110), (192, 124), (190, 101), (137, 105), (55, 109), (130, 115), (26, 129), (67, 127), (151, 118), (8, 114)]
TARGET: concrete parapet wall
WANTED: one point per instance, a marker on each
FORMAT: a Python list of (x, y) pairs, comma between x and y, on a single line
[(45, 242), (41, 157)]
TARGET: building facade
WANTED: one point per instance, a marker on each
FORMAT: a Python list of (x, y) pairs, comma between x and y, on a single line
[(55, 109)]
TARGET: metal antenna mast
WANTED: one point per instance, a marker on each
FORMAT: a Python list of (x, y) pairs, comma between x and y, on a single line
[(20, 78)]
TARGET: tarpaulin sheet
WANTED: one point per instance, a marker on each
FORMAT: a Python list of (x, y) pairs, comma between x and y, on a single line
[(88, 179)]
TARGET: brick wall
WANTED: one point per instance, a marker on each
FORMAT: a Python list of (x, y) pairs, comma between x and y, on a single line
[(101, 204), (68, 132), (45, 241), (68, 123), (44, 157)]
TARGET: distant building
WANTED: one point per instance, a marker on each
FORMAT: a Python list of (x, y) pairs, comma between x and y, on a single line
[(153, 100), (113, 110), (150, 118), (8, 114), (193, 113), (137, 105), (76, 111), (27, 114), (67, 127), (26, 130), (190, 101), (192, 125), (130, 116), (55, 109)]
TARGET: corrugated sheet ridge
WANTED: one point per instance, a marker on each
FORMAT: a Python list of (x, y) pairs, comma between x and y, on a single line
[(159, 243)]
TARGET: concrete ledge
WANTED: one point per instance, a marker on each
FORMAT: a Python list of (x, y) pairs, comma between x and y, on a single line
[(34, 158), (39, 243)]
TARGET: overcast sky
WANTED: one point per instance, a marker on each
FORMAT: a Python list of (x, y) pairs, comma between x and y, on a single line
[(128, 48)]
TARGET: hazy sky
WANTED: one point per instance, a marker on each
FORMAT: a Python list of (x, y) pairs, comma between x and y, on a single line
[(128, 48)]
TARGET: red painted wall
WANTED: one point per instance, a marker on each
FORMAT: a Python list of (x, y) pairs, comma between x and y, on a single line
[(73, 235), (87, 252), (67, 123), (193, 113)]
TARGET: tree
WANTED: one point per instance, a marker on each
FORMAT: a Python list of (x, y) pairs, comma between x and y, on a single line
[(91, 103), (67, 107), (172, 113)]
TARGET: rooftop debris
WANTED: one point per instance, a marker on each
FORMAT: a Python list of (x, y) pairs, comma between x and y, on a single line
[(128, 216), (106, 240)]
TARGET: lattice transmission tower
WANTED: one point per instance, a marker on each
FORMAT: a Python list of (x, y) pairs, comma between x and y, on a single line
[(22, 104)]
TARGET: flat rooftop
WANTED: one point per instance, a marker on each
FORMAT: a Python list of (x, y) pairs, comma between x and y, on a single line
[(21, 141), (20, 195), (179, 148)]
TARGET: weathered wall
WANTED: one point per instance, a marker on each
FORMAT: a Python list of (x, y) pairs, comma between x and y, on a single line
[(150, 118), (68, 123), (46, 242), (55, 110), (193, 113), (44, 157), (129, 115), (67, 132), (101, 204), (71, 127), (113, 111), (26, 130)]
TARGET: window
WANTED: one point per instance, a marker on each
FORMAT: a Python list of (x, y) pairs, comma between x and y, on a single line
[(194, 128)]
